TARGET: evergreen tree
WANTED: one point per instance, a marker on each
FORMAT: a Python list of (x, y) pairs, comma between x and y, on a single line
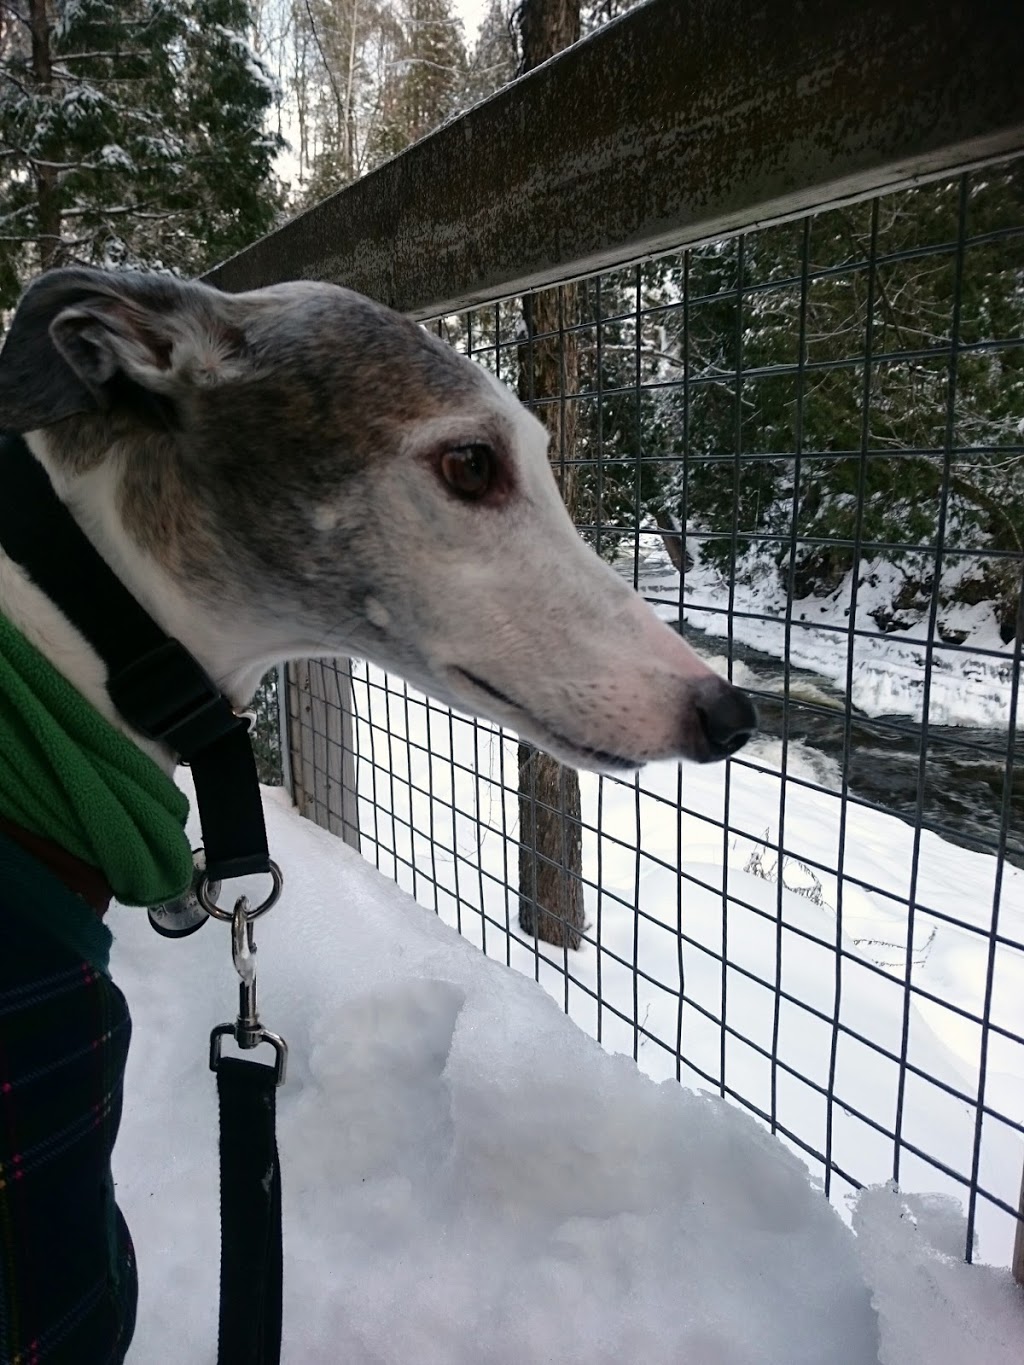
[(228, 94), (131, 133), (425, 80), (494, 59), (720, 377)]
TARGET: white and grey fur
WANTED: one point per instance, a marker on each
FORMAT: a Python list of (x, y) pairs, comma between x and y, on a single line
[(262, 471)]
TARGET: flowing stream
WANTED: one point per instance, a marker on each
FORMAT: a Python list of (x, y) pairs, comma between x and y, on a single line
[(960, 785)]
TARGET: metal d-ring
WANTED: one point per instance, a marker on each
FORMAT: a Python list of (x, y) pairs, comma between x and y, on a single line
[(252, 912)]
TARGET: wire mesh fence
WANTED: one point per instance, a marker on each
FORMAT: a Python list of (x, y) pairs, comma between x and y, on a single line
[(805, 444)]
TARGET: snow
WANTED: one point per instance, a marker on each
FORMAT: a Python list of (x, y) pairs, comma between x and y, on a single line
[(933, 1305), (469, 1178), (82, 102), (116, 158), (256, 69), (635, 839), (162, 146), (970, 684), (68, 15)]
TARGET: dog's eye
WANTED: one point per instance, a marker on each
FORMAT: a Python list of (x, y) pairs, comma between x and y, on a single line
[(469, 470)]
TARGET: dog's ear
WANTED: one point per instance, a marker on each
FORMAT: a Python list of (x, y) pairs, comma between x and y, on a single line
[(87, 340)]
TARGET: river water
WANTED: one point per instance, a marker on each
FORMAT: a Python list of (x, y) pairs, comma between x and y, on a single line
[(961, 785)]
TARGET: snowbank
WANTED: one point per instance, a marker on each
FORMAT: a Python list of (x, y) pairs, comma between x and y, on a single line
[(932, 1305), (781, 982), (469, 1178), (966, 687)]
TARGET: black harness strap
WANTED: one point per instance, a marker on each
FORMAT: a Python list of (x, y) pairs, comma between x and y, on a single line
[(162, 692), (250, 1201)]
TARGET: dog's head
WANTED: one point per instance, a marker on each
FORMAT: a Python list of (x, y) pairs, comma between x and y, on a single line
[(299, 470)]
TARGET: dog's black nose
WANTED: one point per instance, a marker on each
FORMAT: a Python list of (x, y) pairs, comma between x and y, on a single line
[(727, 717)]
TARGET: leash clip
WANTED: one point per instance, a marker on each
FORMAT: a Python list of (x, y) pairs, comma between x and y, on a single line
[(247, 1030)]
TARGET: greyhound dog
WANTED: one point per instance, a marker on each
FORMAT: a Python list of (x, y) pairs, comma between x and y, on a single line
[(300, 471), (293, 471)]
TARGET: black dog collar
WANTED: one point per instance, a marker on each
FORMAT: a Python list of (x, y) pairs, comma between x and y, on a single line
[(153, 681)]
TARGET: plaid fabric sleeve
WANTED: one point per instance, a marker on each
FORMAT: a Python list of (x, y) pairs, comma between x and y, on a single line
[(67, 1269)]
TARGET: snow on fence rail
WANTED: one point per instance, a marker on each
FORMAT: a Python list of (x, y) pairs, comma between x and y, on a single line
[(801, 436)]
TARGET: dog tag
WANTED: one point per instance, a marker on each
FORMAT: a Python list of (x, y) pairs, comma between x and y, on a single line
[(183, 916)]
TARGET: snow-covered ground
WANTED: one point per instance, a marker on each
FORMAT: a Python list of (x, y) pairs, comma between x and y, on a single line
[(448, 845), (469, 1178), (969, 684)]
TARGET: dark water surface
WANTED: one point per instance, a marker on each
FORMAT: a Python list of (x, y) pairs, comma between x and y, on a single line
[(960, 787)]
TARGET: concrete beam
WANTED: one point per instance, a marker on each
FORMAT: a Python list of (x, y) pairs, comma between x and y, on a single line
[(684, 121)]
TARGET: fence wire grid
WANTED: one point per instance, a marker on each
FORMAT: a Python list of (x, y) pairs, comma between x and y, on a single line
[(805, 444)]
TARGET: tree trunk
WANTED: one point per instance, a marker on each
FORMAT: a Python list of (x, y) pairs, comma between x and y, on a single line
[(545, 27), (674, 540), (48, 219), (550, 852), (550, 849)]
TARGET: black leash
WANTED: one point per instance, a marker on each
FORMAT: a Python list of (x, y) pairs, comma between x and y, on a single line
[(164, 693), (250, 1324)]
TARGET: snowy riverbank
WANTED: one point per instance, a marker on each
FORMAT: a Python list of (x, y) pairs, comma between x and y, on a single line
[(970, 682)]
